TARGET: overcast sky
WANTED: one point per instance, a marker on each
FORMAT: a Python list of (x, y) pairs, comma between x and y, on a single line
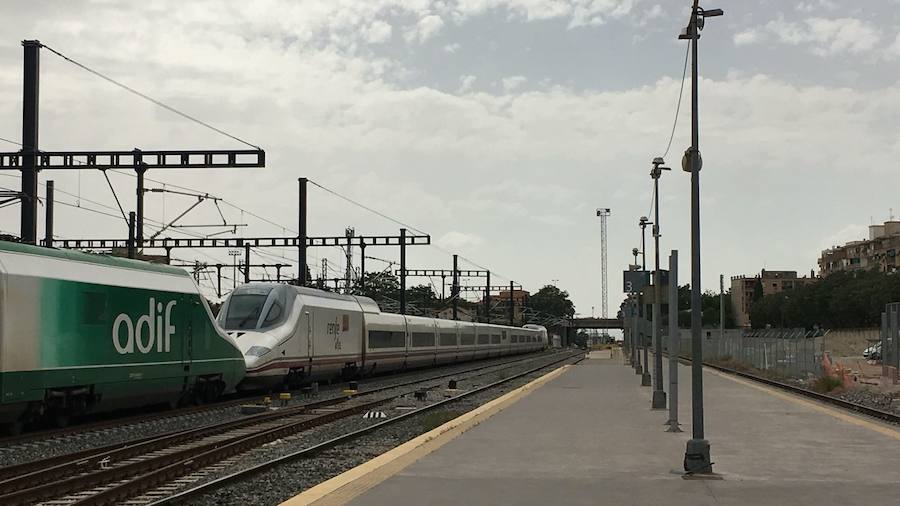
[(497, 126)]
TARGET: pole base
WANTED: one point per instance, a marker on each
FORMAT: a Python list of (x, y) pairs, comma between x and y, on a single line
[(638, 369), (645, 379), (659, 400), (696, 457), (674, 427)]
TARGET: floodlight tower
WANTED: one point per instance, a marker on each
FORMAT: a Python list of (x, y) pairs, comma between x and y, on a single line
[(603, 213)]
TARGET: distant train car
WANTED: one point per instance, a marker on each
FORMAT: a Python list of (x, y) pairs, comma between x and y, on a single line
[(84, 333), (290, 334)]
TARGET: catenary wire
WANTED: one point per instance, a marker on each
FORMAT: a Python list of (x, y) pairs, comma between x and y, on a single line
[(148, 98)]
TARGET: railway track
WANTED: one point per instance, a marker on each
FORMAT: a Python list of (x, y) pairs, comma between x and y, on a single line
[(828, 399), (111, 474), (167, 495), (804, 392), (49, 439)]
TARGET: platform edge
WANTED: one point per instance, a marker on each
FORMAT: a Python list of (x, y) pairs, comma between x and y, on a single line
[(354, 482)]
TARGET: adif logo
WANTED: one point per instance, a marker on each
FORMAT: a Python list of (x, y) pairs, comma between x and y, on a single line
[(159, 330)]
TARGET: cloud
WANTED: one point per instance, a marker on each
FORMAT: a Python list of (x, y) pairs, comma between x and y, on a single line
[(816, 5), (822, 36), (465, 83), (426, 28), (746, 37), (512, 173), (651, 14), (894, 49), (512, 83), (452, 48), (378, 32), (459, 241)]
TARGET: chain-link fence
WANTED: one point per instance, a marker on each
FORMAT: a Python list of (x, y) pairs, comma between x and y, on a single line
[(890, 339), (788, 352)]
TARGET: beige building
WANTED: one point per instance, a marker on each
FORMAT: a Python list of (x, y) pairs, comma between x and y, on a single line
[(878, 252), (743, 290)]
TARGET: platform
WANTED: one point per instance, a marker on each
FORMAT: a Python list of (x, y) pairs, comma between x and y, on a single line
[(589, 437)]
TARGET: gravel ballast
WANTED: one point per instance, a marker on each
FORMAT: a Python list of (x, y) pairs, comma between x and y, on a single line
[(41, 448)]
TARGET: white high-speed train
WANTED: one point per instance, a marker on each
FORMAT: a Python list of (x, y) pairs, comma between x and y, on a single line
[(290, 334)]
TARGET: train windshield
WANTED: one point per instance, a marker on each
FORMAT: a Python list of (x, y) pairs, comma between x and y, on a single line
[(251, 308)]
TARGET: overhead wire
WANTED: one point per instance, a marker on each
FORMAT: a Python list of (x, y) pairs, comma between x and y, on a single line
[(367, 208), (678, 106), (149, 98)]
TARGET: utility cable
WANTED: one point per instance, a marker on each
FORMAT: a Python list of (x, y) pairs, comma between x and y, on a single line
[(9, 141), (116, 197), (149, 98), (680, 95), (367, 208)]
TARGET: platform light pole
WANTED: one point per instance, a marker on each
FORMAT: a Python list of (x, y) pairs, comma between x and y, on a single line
[(635, 356), (696, 455), (645, 374), (659, 394)]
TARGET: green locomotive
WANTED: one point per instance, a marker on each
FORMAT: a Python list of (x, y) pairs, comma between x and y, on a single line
[(83, 333)]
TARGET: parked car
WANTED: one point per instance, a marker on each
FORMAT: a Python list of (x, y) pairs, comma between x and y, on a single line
[(873, 352)]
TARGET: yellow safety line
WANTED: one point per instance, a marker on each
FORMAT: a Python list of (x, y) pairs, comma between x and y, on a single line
[(836, 413), (346, 486)]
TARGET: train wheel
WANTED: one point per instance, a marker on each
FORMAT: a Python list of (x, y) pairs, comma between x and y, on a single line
[(60, 420), (11, 428)]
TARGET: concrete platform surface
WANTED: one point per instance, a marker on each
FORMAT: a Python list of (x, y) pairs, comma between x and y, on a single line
[(589, 437)]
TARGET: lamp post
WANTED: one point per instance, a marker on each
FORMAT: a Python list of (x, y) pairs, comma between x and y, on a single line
[(659, 394), (645, 375), (635, 357), (696, 455)]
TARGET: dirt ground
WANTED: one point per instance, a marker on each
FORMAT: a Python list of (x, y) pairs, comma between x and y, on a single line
[(840, 344)]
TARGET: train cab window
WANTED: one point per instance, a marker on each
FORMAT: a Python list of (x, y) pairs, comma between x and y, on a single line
[(448, 339), (420, 339), (467, 339), (484, 338), (256, 307), (386, 339)]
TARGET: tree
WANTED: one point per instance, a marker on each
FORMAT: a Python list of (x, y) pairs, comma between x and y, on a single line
[(842, 300), (423, 297), (379, 286), (552, 301), (709, 308)]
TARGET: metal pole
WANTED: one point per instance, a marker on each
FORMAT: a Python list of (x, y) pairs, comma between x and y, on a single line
[(721, 306), (674, 342), (48, 216), (454, 290), (512, 304), (402, 271), (659, 394), (362, 265), (246, 263), (635, 356), (131, 234), (697, 455), (139, 170), (645, 370), (30, 107), (645, 373), (301, 238), (219, 280), (487, 299)]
